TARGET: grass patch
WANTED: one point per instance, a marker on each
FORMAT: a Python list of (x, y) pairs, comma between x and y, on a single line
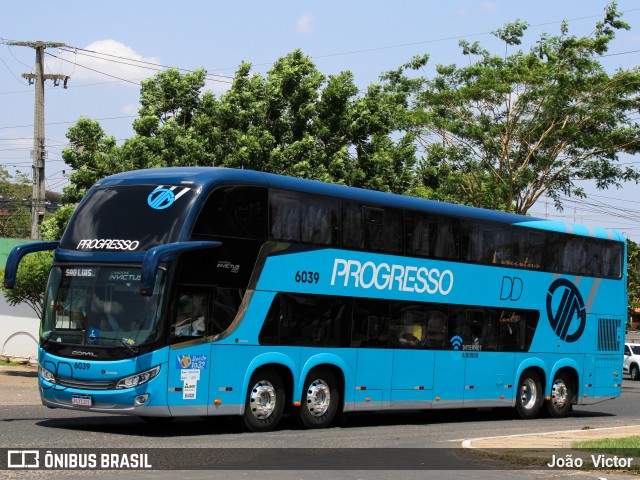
[(9, 364), (625, 446)]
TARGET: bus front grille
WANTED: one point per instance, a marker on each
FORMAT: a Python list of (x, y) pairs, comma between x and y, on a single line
[(86, 384)]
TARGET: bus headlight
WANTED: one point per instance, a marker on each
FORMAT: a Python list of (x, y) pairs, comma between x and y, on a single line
[(138, 378), (46, 374)]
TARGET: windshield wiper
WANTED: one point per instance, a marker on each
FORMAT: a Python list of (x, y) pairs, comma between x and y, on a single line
[(133, 349)]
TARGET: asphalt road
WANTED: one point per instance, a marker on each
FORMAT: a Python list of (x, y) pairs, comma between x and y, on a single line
[(34, 426)]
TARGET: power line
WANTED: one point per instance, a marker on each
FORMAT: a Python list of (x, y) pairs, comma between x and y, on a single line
[(70, 122), (81, 50), (11, 72), (93, 69)]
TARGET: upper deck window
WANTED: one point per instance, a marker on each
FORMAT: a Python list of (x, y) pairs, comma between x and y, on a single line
[(128, 218), (371, 228), (238, 212), (297, 217)]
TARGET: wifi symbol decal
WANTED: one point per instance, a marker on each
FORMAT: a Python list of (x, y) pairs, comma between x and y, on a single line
[(456, 342)]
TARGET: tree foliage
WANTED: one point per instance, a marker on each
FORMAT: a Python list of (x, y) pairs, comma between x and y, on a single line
[(507, 128), (633, 276), (31, 281), (33, 271), (294, 121), (15, 205)]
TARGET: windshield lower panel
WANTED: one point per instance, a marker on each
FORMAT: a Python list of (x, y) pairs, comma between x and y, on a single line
[(100, 307)]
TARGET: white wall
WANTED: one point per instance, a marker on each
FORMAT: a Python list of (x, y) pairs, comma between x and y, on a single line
[(18, 330)]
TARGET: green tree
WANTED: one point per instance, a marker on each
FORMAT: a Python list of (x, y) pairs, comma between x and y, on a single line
[(633, 276), (33, 271), (506, 128), (92, 156), (294, 121), (53, 227), (31, 281), (15, 205)]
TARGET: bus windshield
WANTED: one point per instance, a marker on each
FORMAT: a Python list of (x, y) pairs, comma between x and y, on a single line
[(128, 218), (100, 306)]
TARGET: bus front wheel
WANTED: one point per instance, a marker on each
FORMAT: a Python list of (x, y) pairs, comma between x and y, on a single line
[(529, 396), (320, 399), (560, 402), (265, 401)]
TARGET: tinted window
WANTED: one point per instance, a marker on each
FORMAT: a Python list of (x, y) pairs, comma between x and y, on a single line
[(476, 328), (527, 249), (239, 212), (408, 325), (431, 236), (517, 328), (128, 218), (370, 323), (486, 243), (203, 312), (612, 254), (371, 228), (308, 320), (303, 218), (578, 255)]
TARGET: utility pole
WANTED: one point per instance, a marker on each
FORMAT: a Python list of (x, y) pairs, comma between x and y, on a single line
[(38, 199)]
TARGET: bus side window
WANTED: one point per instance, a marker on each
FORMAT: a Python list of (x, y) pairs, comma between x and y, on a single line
[(370, 323), (192, 314), (408, 324), (477, 322), (436, 328), (270, 332), (512, 331), (307, 320), (239, 212), (225, 308), (303, 218), (432, 236), (352, 231), (612, 260)]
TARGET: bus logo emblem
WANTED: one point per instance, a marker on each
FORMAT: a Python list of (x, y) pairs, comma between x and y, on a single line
[(570, 310), (161, 198)]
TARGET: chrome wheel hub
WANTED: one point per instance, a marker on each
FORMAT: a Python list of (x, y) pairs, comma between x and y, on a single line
[(528, 394), (262, 400), (559, 393), (318, 397)]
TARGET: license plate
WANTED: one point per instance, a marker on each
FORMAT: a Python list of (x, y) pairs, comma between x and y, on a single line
[(81, 400)]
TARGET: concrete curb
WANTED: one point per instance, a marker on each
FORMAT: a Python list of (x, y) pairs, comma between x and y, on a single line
[(560, 439)]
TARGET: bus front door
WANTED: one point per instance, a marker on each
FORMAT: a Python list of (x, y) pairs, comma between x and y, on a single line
[(188, 388)]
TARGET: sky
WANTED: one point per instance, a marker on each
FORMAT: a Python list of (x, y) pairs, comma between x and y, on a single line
[(365, 37)]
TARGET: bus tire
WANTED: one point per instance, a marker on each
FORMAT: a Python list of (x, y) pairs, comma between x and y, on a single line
[(265, 401), (529, 396), (634, 372), (320, 399), (559, 405)]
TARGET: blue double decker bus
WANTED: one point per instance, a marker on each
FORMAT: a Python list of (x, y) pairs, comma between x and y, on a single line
[(204, 291)]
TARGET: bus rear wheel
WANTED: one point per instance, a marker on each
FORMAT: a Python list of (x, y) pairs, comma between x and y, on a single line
[(320, 399), (265, 401), (529, 396), (559, 405)]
